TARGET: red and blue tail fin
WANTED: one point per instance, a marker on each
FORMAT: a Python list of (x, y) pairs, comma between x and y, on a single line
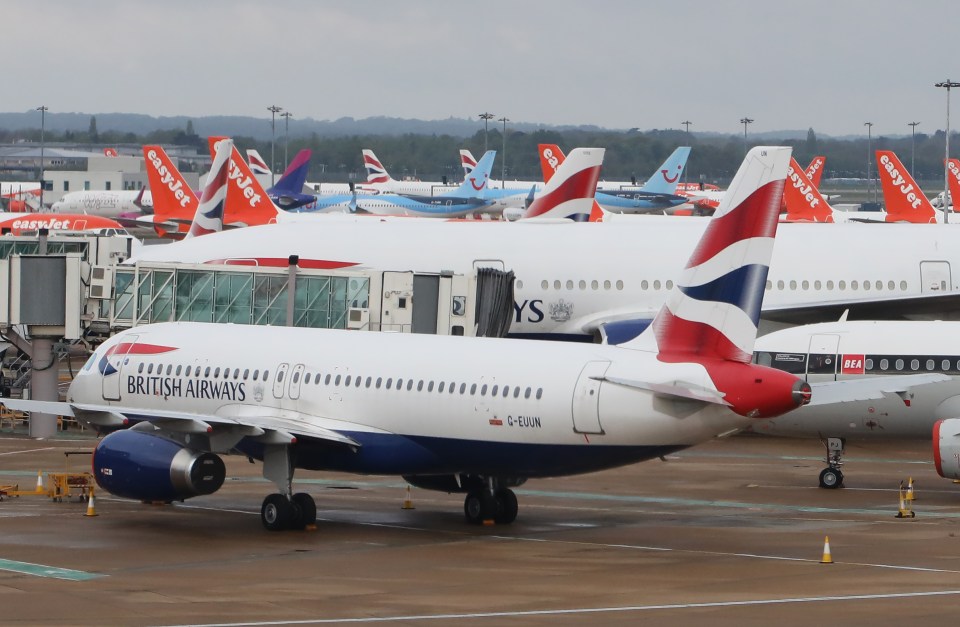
[(209, 217), (376, 173), (258, 165), (714, 310), (551, 156), (570, 191), (467, 162)]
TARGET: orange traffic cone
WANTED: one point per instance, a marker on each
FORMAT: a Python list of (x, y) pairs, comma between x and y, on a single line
[(407, 501), (40, 488), (827, 558), (91, 511)]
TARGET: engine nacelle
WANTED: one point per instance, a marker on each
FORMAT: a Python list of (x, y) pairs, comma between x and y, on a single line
[(946, 448), (146, 467), (758, 391)]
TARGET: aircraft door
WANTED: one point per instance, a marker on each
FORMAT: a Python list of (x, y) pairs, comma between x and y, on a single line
[(586, 398), (112, 370), (396, 312), (822, 357), (296, 380), (280, 380), (426, 293), (935, 276)]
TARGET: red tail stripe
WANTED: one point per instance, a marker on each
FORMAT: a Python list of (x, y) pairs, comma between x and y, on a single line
[(678, 338)]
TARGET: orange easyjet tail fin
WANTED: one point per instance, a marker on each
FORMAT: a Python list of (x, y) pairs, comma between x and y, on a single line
[(904, 200), (953, 178), (803, 200), (247, 203), (550, 159), (814, 171), (174, 202)]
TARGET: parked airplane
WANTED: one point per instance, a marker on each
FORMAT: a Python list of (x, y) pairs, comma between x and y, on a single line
[(104, 203), (174, 203), (901, 194), (258, 165), (379, 179), (655, 196), (468, 162), (470, 415), (917, 365), (18, 223), (287, 193), (804, 203), (607, 280), (21, 196)]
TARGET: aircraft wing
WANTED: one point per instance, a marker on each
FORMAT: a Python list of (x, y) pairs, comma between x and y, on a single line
[(869, 388), (928, 306), (679, 389), (263, 428)]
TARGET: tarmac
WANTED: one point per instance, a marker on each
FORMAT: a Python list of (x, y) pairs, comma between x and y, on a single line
[(728, 533)]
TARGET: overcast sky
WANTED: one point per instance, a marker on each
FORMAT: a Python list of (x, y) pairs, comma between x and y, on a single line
[(826, 64)]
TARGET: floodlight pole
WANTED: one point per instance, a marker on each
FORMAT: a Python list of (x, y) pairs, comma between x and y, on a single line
[(486, 117), (745, 121), (948, 85), (274, 110)]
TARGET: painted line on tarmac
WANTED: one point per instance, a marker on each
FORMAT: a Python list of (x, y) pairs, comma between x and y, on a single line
[(782, 558), (664, 500), (583, 610), (32, 450), (39, 570)]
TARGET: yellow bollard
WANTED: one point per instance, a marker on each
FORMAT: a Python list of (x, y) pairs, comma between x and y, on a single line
[(827, 557), (408, 501)]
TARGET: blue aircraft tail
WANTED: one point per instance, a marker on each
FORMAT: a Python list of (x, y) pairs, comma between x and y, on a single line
[(477, 182), (665, 179)]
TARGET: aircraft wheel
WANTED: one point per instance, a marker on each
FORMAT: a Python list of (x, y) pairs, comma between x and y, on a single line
[(507, 507), (308, 508), (831, 478), (277, 512), (473, 508)]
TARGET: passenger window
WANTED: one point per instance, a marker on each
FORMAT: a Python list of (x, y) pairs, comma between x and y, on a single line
[(793, 285), (526, 394), (516, 392), (914, 364), (357, 382), (256, 374), (903, 286), (945, 365), (326, 380), (473, 389), (817, 285), (899, 364), (884, 364), (179, 369), (390, 383), (140, 368), (336, 382), (829, 285), (440, 387), (316, 379), (430, 386), (463, 386), (779, 285), (506, 391), (493, 392), (931, 364), (656, 285), (379, 381), (149, 368), (619, 285), (644, 284), (483, 390), (805, 284), (369, 381), (420, 385), (266, 375), (206, 372), (346, 382), (296, 377), (279, 376), (246, 374), (236, 373), (868, 364), (539, 393), (188, 371)]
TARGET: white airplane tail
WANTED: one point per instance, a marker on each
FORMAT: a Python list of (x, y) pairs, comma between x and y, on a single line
[(570, 191)]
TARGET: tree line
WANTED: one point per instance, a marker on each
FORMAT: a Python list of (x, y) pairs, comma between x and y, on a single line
[(630, 154)]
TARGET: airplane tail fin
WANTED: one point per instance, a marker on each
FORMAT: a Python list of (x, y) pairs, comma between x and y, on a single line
[(174, 203), (550, 159), (665, 179), (209, 216), (467, 161), (570, 192), (295, 176), (953, 177), (247, 203), (714, 310), (476, 183), (376, 173), (902, 196), (258, 165), (814, 171), (803, 199)]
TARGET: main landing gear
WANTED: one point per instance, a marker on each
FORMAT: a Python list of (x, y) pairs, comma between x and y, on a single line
[(490, 501), (831, 477), (284, 510)]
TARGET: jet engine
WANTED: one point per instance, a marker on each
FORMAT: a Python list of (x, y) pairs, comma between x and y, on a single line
[(946, 448), (758, 391), (147, 467)]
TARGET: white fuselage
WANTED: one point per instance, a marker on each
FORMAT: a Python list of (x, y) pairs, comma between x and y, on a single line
[(415, 403), (104, 203), (855, 350), (572, 276)]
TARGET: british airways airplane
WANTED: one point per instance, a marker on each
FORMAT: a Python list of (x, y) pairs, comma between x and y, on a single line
[(914, 366), (470, 415)]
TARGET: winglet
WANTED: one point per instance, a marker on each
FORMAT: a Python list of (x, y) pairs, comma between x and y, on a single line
[(904, 199), (714, 310)]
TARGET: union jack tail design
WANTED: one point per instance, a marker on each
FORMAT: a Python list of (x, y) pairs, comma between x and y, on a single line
[(376, 173), (467, 161), (570, 191), (714, 310), (258, 165), (904, 199), (247, 203), (209, 217), (551, 156)]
